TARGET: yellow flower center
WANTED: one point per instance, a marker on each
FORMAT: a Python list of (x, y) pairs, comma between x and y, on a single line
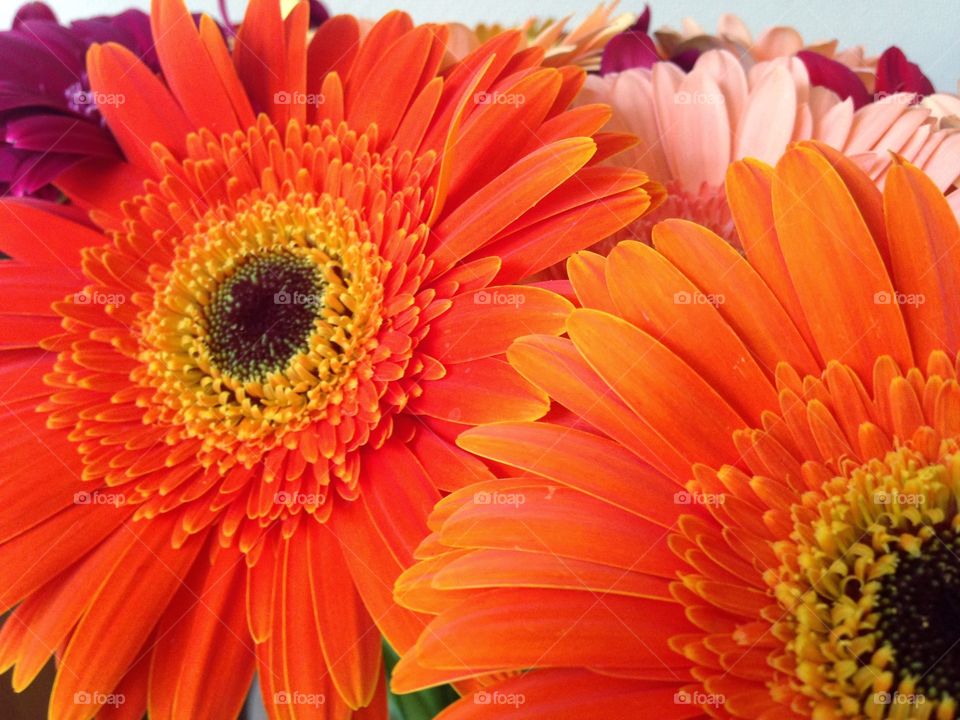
[(870, 588), (261, 319)]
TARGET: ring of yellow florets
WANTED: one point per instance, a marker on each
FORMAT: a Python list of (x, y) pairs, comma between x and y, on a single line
[(862, 587), (261, 320)]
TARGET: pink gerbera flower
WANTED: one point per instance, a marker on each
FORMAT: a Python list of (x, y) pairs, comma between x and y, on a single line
[(692, 125)]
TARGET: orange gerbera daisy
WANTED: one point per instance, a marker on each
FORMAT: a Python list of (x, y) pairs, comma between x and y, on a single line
[(747, 501), (248, 374)]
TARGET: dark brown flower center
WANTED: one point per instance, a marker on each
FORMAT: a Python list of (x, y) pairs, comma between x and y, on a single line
[(263, 314), (919, 606)]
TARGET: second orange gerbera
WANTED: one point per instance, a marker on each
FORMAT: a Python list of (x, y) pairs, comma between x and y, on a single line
[(228, 407), (747, 501)]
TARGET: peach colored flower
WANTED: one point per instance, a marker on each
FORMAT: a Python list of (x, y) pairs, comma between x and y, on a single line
[(582, 46), (692, 125)]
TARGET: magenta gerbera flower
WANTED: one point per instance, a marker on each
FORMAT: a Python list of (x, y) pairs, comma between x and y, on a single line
[(49, 117)]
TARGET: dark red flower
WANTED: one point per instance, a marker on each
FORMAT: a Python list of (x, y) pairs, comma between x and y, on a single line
[(896, 74), (835, 76)]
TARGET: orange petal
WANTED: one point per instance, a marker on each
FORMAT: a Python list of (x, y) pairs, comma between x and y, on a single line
[(447, 465), (482, 633), (573, 458), (332, 49), (348, 637), (108, 637), (36, 237), (484, 322), (203, 629), (374, 570), (834, 263), (504, 199), (145, 111), (661, 301), (646, 375), (260, 58), (555, 366), (749, 306), (925, 248), (481, 391), (188, 70), (748, 187)]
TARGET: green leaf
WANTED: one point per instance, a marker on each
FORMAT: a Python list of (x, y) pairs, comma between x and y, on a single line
[(422, 705)]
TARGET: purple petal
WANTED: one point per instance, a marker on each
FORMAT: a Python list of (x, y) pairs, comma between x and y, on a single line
[(27, 62), (318, 13), (897, 74), (15, 97), (25, 173), (130, 28), (643, 22), (835, 76), (62, 134), (686, 59), (628, 50), (33, 11)]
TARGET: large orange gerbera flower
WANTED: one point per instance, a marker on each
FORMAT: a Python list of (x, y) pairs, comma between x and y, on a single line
[(266, 346), (748, 501)]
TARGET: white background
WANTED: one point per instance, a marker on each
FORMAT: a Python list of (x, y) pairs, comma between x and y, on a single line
[(927, 30)]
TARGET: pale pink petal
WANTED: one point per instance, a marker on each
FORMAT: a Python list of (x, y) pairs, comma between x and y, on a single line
[(902, 130), (855, 58), (649, 155), (728, 74), (870, 123), (732, 28), (666, 82), (691, 28), (796, 68), (804, 126), (871, 163), (943, 106), (701, 121), (630, 93), (833, 127), (768, 122), (918, 142), (822, 100), (926, 151), (777, 42), (943, 167)]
